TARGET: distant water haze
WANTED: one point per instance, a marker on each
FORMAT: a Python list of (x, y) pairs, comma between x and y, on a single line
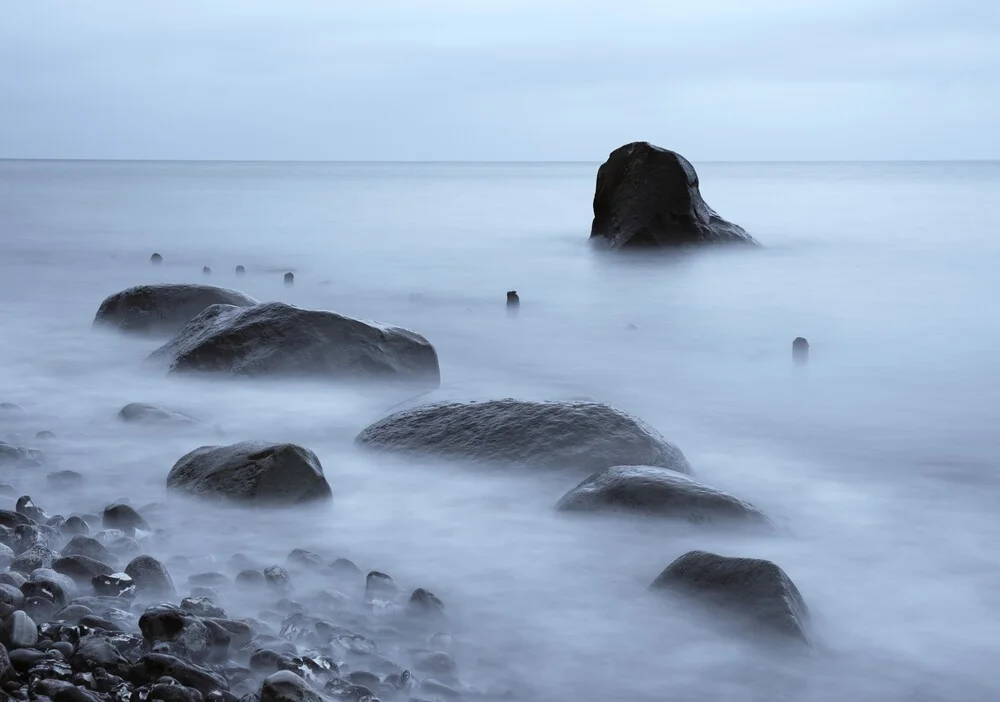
[(877, 460)]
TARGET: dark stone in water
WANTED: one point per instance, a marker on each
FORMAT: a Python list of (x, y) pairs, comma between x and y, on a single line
[(142, 413), (95, 622), (584, 436), (114, 585), (82, 569), (277, 579), (240, 270), (752, 589), (36, 557), (513, 301), (286, 686), (46, 589), (64, 479), (425, 602), (163, 309), (74, 526), (252, 471), (153, 666), (39, 608), (264, 661), (251, 578), (649, 197), (240, 632), (151, 578), (156, 258), (364, 679), (90, 547), (10, 595), (12, 519), (202, 607), (379, 586), (185, 633), (800, 351), (206, 270), (74, 613), (304, 560), (279, 340), (124, 517), (289, 278), (97, 651), (657, 491), (172, 692), (45, 435), (18, 631), (437, 662)]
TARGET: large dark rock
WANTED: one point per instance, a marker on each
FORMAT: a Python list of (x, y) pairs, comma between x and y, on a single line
[(152, 580), (97, 651), (752, 590), (286, 686), (251, 471), (585, 436), (279, 340), (153, 666), (163, 309), (658, 491), (647, 197)]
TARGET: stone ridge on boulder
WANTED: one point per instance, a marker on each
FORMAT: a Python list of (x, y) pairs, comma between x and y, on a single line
[(574, 435), (279, 340), (647, 196), (163, 309)]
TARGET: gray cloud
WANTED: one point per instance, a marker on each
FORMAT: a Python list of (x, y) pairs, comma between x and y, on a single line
[(500, 79)]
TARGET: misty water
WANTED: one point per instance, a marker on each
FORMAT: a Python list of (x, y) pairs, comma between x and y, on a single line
[(878, 461)]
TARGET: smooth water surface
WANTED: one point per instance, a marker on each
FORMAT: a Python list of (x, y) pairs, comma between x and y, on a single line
[(878, 460)]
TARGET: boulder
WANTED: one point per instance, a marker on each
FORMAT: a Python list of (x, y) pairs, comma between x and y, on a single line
[(279, 340), (286, 686), (163, 309), (251, 471), (649, 197), (141, 413), (657, 491), (152, 580), (578, 435), (756, 592)]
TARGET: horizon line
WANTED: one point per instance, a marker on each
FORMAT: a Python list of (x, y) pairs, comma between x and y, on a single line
[(477, 161)]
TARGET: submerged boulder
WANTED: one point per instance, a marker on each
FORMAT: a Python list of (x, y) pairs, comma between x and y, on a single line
[(647, 197), (141, 413), (163, 309), (755, 591), (252, 471), (578, 435), (275, 339), (658, 491)]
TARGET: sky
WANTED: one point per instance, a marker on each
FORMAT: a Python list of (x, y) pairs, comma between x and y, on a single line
[(499, 80)]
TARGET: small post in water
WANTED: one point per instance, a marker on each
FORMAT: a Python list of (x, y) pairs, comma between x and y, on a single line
[(513, 302), (800, 351), (240, 270), (289, 278)]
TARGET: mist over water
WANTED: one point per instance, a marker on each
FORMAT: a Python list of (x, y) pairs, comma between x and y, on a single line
[(877, 461)]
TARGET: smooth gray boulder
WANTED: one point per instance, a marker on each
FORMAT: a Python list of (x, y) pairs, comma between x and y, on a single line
[(163, 309), (142, 413), (576, 435), (752, 591), (279, 340), (647, 196), (657, 491), (252, 471), (286, 686)]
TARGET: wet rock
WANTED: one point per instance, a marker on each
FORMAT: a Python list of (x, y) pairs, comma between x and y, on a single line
[(425, 602), (379, 586), (800, 351), (289, 278), (251, 471), (649, 197), (156, 258), (37, 556), (142, 413), (11, 408), (95, 622), (6, 556), (82, 569), (90, 547), (753, 590), (47, 589), (38, 608), (240, 632), (206, 270), (286, 686), (302, 559), (364, 679), (205, 591), (11, 519), (119, 543), (578, 435), (74, 526), (345, 691), (657, 491), (172, 692), (250, 579), (185, 634), (13, 578), (124, 518), (163, 309), (264, 661), (156, 665), (114, 585), (345, 569), (29, 536), (240, 270), (97, 651), (275, 339), (74, 613), (202, 607), (9, 455), (18, 631), (151, 578), (11, 596), (277, 579), (65, 479), (438, 690)]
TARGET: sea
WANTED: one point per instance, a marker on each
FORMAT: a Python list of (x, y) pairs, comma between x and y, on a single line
[(877, 461)]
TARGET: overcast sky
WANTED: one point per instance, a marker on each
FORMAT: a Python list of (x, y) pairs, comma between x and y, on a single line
[(499, 79)]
